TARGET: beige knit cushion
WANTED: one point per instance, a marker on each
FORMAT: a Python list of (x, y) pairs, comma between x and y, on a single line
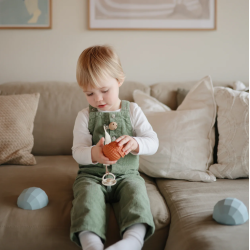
[(233, 128), (17, 114)]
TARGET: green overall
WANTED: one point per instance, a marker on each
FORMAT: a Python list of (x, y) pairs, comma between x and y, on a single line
[(90, 196)]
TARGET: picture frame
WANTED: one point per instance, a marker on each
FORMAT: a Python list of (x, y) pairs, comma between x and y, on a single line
[(25, 14), (152, 14)]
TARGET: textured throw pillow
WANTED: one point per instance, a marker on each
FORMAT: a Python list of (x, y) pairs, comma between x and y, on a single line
[(148, 102), (186, 137), (17, 114), (233, 127)]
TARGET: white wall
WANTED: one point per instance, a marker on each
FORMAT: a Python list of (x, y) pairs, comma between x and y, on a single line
[(146, 56)]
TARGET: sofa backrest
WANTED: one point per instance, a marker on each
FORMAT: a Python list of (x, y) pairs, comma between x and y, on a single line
[(58, 106), (166, 92), (61, 101)]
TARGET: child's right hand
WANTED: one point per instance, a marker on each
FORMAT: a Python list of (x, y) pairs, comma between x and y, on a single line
[(97, 154)]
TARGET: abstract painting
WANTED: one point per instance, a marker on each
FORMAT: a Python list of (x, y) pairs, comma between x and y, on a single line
[(152, 14)]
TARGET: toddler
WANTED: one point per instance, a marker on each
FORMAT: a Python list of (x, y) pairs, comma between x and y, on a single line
[(99, 74)]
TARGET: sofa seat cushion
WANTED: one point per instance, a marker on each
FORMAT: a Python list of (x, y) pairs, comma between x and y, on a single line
[(49, 227), (46, 228), (191, 206)]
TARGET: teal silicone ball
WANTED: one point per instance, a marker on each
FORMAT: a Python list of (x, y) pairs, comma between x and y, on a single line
[(32, 198), (230, 211)]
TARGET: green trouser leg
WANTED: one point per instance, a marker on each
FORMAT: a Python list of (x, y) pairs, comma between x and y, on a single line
[(133, 206), (89, 211)]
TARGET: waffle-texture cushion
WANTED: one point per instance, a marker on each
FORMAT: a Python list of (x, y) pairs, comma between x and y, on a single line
[(233, 127), (17, 114)]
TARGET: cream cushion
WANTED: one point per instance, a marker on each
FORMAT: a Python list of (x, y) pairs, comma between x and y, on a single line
[(233, 127), (148, 102), (186, 137), (17, 114), (240, 86)]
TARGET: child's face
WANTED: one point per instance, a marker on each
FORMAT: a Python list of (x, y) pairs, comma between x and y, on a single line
[(105, 98)]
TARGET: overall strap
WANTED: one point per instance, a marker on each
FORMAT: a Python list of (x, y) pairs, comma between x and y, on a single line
[(125, 105), (92, 109)]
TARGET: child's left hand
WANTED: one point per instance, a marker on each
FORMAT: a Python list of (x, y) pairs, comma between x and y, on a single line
[(130, 144)]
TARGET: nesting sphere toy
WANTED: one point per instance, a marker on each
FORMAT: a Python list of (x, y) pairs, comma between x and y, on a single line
[(230, 211), (32, 198), (113, 151)]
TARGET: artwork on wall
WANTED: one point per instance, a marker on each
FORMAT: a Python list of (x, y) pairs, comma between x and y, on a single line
[(152, 14), (25, 14)]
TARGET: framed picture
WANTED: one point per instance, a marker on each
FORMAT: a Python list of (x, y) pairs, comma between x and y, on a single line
[(25, 14), (152, 14)]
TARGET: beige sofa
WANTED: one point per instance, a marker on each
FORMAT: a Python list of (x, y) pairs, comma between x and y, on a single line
[(182, 210)]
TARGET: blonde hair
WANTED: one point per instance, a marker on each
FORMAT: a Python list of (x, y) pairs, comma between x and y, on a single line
[(98, 62)]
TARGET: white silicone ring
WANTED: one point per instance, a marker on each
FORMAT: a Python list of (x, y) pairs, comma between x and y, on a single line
[(109, 181)]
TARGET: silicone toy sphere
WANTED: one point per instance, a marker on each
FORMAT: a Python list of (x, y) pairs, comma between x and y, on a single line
[(113, 151), (230, 211), (32, 198)]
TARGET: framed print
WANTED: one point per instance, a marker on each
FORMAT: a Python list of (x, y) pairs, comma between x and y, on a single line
[(25, 14), (152, 14)]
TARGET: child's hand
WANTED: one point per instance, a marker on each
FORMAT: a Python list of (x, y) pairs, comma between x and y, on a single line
[(97, 154), (130, 144)]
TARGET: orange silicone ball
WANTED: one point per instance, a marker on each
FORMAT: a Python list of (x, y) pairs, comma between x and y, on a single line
[(113, 151)]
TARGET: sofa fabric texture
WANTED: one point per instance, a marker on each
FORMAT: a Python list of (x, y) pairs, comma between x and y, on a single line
[(17, 114), (191, 206)]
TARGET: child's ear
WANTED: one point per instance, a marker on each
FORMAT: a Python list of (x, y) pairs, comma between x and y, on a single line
[(120, 83)]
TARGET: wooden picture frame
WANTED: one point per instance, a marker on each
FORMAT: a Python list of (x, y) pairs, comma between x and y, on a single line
[(140, 15), (26, 14)]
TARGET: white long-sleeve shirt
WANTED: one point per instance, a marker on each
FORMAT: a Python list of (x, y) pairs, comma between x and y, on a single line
[(142, 133)]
